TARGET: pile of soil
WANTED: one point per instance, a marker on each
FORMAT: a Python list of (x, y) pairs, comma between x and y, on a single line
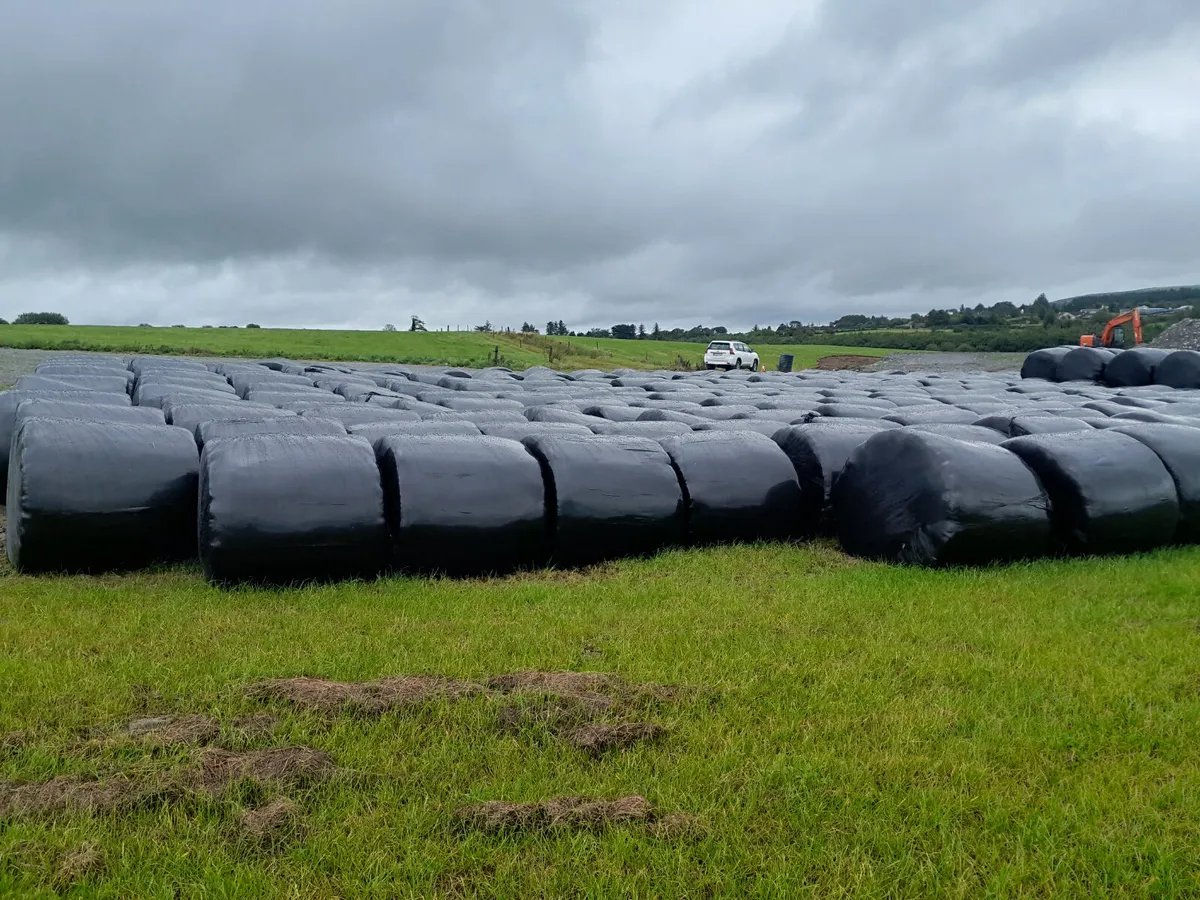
[(1183, 335)]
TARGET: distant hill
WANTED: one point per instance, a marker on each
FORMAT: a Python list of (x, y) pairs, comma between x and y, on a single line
[(1168, 297)]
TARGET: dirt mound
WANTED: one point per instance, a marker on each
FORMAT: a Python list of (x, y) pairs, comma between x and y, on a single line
[(167, 731), (557, 812), (73, 794), (845, 361), (84, 862), (364, 697), (285, 766), (280, 821), (598, 737), (598, 689), (1183, 335)]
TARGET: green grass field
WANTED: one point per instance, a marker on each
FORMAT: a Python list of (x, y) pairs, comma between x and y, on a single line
[(455, 348), (848, 729)]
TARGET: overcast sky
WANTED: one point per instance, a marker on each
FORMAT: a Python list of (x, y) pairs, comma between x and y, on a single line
[(348, 164)]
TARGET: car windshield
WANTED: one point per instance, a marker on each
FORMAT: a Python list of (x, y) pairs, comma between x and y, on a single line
[(719, 345)]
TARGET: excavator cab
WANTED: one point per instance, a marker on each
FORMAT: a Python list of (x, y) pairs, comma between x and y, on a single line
[(1114, 331)]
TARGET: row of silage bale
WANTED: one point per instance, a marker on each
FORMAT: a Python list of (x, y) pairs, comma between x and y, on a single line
[(324, 471), (1136, 367)]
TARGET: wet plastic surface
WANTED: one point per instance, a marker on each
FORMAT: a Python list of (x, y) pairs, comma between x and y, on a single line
[(89, 496), (1084, 364), (285, 508), (926, 499), (215, 430), (737, 487), (463, 506), (1134, 367), (1178, 448), (818, 453), (1043, 364), (608, 497), (1180, 369), (1109, 493), (90, 412)]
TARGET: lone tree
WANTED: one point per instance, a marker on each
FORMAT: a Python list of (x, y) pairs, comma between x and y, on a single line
[(41, 318), (417, 324), (389, 327), (625, 332), (528, 328)]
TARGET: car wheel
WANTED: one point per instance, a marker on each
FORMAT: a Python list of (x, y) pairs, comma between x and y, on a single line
[(710, 368), (739, 362)]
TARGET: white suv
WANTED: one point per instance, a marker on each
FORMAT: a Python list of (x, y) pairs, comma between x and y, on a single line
[(730, 355)]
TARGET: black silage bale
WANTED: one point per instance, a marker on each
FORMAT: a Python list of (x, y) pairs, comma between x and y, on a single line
[(1022, 425), (608, 497), (1179, 369), (961, 432), (1084, 364), (851, 411), (612, 412), (1043, 364), (374, 432), (516, 431), (1134, 367), (189, 415), (91, 496), (818, 453), (359, 413), (752, 426), (465, 404), (651, 430), (737, 486), (932, 415), (289, 508), (463, 506), (670, 415), (1178, 448), (216, 430), (926, 499), (108, 384), (58, 370), (90, 412), (1109, 493), (557, 414)]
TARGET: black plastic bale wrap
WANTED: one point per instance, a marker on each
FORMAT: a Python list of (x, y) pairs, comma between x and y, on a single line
[(108, 384), (1043, 364), (1178, 447), (1180, 369), (608, 497), (10, 400), (1134, 368), (961, 432), (1084, 364), (1109, 493), (288, 508), (737, 486), (818, 453), (210, 431), (100, 496), (189, 415), (463, 506), (931, 500), (374, 432), (81, 409), (516, 431)]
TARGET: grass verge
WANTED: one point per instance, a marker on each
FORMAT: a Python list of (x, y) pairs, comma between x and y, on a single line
[(848, 728), (431, 348)]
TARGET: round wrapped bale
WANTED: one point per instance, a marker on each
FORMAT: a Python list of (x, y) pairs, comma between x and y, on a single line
[(1178, 447), (766, 427), (612, 412), (1084, 364), (608, 497), (931, 415), (10, 400), (58, 370), (108, 384), (961, 432), (557, 414), (1021, 425), (516, 431), (818, 452), (652, 430), (1108, 492), (287, 508), (89, 496), (359, 413), (933, 500), (140, 364), (1180, 369), (90, 412), (737, 486), (1043, 364), (1134, 368), (463, 506), (227, 428), (189, 415), (374, 432)]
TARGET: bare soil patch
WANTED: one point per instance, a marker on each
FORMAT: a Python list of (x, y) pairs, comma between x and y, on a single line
[(558, 812), (284, 766), (84, 862), (167, 731), (600, 737), (279, 822), (846, 362), (370, 698)]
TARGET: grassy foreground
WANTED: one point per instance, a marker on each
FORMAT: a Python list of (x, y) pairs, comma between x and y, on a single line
[(453, 348), (854, 729)]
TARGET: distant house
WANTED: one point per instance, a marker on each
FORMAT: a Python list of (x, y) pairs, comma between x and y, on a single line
[(1067, 317), (1159, 310)]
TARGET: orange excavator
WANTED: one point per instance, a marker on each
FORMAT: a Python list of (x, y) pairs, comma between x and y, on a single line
[(1114, 332)]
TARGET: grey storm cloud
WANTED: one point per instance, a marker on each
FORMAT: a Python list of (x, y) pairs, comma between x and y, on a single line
[(315, 163)]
